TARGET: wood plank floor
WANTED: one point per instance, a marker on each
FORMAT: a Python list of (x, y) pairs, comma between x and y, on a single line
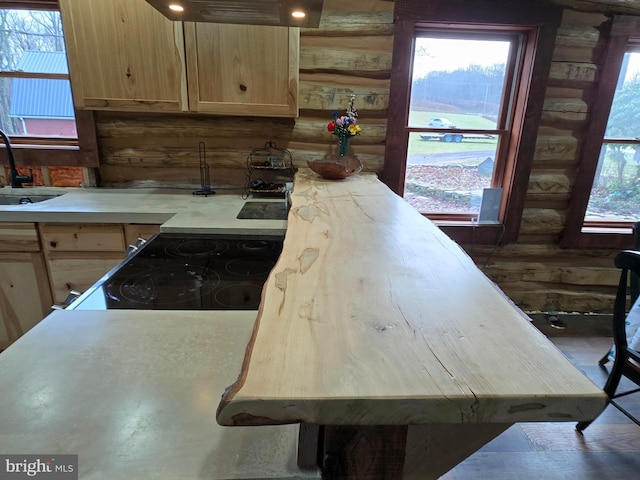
[(609, 448)]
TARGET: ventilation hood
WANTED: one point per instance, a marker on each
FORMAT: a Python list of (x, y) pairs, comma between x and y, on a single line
[(252, 12)]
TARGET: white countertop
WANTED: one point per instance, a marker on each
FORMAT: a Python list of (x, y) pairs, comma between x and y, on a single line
[(134, 393), (177, 210), (136, 397)]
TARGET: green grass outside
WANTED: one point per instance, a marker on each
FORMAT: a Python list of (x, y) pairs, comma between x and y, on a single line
[(460, 119), (417, 146)]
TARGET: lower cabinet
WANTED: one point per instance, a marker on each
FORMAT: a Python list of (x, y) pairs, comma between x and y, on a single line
[(78, 271), (78, 255), (41, 264), (25, 295)]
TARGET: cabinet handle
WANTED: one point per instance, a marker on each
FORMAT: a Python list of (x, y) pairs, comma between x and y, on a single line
[(72, 297), (135, 247)]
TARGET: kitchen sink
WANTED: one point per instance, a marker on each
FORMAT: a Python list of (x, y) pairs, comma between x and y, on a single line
[(25, 198)]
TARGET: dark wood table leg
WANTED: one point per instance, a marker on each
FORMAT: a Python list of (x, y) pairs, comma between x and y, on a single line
[(364, 452), (310, 445)]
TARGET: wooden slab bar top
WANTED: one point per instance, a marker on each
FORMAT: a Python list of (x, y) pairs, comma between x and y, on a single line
[(373, 316)]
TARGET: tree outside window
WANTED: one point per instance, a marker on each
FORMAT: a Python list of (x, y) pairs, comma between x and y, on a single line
[(605, 203), (35, 93), (615, 194)]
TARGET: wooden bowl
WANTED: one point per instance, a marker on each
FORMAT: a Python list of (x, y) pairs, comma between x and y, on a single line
[(336, 169)]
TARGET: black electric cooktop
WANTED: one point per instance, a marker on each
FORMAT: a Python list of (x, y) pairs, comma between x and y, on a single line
[(188, 272)]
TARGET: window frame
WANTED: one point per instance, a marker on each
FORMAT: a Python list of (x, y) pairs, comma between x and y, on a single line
[(624, 32), (43, 151), (541, 25), (506, 112)]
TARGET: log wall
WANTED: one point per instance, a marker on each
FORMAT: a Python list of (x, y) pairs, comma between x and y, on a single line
[(351, 53), (535, 272)]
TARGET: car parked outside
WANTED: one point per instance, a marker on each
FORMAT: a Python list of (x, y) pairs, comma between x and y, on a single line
[(441, 122)]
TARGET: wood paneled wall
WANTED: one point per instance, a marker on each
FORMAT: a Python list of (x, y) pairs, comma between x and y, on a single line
[(351, 53)]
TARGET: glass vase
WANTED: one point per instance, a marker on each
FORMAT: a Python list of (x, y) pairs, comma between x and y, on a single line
[(343, 146)]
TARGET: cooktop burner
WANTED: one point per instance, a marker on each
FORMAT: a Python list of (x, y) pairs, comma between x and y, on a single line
[(255, 245), (245, 294), (249, 266), (165, 285), (193, 272), (196, 248)]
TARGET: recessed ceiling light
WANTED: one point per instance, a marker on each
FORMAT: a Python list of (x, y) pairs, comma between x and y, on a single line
[(176, 8), (298, 14)]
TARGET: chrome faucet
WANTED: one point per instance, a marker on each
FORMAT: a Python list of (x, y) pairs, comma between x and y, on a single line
[(16, 179)]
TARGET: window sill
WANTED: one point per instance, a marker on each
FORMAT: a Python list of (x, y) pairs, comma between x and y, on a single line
[(19, 141), (612, 238), (16, 147), (620, 230), (57, 152), (50, 156), (465, 232)]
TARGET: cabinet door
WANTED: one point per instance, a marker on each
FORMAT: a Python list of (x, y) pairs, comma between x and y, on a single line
[(78, 255), (242, 69), (25, 297), (78, 271), (124, 55)]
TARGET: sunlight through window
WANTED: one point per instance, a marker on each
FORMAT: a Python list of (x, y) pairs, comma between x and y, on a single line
[(457, 103)]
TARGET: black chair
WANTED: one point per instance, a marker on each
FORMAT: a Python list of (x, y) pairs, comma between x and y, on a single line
[(627, 361), (635, 285)]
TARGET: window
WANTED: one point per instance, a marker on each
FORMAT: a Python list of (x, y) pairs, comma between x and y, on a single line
[(615, 193), (36, 106), (606, 198), (464, 75), (35, 94), (459, 110)]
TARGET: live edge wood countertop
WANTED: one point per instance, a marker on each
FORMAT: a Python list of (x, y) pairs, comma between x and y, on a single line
[(373, 316)]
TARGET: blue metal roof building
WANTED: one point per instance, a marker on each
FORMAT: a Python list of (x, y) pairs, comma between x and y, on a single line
[(41, 97)]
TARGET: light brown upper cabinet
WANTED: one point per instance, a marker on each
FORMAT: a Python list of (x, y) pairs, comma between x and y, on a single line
[(242, 69), (126, 56)]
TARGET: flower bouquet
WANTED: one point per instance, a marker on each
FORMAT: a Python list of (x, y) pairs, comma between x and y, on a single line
[(344, 127)]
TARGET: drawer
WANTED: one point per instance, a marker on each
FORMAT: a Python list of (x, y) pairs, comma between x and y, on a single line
[(78, 271), (19, 237), (82, 238)]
